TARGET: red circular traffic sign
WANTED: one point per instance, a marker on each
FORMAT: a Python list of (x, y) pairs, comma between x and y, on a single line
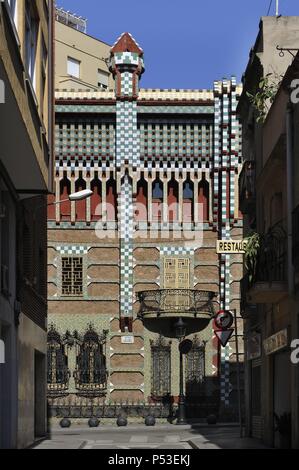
[(224, 320)]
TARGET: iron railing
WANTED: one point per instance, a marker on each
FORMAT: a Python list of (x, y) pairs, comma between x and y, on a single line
[(270, 260), (83, 408), (176, 301), (271, 265)]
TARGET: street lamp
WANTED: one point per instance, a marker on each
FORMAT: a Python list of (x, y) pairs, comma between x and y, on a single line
[(180, 329), (74, 197), (180, 332)]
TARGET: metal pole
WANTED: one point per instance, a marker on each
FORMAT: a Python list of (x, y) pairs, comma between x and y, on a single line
[(238, 375), (277, 8), (181, 410)]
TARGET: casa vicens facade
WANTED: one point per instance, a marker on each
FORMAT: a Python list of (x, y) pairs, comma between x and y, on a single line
[(140, 254)]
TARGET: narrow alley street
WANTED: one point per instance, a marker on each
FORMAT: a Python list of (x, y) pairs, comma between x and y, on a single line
[(138, 437)]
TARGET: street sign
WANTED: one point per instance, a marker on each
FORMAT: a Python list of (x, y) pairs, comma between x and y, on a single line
[(185, 346), (231, 246), (224, 320), (127, 339), (276, 342), (224, 336)]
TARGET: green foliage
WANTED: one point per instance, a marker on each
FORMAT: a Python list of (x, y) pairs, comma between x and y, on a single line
[(263, 98), (251, 254)]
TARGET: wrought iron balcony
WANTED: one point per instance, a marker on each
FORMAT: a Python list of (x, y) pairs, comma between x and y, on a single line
[(58, 388), (268, 283), (167, 303), (247, 187)]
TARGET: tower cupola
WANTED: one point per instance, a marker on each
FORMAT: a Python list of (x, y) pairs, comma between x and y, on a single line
[(127, 66)]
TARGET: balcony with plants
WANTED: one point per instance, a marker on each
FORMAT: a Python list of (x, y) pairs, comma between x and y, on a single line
[(266, 263)]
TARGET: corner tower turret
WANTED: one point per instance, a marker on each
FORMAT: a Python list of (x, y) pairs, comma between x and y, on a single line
[(127, 66)]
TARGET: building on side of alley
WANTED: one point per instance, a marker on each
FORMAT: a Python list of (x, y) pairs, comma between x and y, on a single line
[(26, 126), (269, 202), (119, 278)]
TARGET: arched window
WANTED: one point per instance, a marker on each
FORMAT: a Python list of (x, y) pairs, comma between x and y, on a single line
[(96, 199), (188, 204), (91, 374), (141, 201), (65, 191), (204, 199), (80, 185), (173, 200), (161, 368), (57, 370), (111, 200), (157, 200)]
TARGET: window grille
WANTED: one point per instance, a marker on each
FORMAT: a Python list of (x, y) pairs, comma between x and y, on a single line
[(72, 276), (195, 369), (161, 368), (57, 370), (91, 374)]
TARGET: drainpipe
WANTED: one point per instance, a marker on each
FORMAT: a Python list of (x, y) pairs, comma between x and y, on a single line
[(51, 95), (290, 194)]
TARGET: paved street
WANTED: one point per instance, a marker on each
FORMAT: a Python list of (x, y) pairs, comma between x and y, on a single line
[(139, 437)]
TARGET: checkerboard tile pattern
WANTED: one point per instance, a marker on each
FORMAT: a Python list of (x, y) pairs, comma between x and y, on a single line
[(172, 146), (126, 84), (83, 145), (176, 251), (127, 139), (72, 250), (126, 58), (127, 260), (226, 388)]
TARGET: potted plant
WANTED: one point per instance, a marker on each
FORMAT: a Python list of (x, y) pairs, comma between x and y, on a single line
[(253, 245)]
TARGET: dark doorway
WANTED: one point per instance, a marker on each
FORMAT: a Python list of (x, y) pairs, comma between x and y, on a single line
[(40, 405)]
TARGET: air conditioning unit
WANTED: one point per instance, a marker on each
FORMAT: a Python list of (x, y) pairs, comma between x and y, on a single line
[(4, 280)]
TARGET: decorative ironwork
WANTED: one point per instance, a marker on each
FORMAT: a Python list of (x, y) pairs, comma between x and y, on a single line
[(195, 369), (72, 276), (161, 368), (176, 301), (91, 374), (291, 50), (76, 407), (58, 372)]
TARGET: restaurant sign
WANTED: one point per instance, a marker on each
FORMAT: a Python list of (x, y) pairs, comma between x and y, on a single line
[(231, 246), (276, 342)]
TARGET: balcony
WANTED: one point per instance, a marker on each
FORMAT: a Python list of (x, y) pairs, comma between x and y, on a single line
[(247, 187), (268, 284), (173, 303)]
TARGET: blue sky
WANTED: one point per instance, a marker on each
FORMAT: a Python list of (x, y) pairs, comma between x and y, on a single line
[(187, 43)]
